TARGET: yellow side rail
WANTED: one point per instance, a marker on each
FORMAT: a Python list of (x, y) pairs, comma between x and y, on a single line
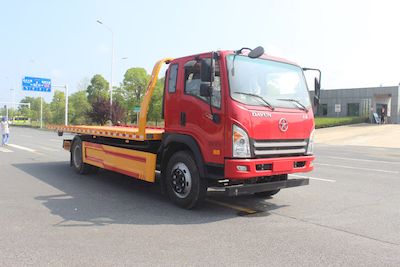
[(144, 107)]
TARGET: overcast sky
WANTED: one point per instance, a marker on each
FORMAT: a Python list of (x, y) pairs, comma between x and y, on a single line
[(354, 43)]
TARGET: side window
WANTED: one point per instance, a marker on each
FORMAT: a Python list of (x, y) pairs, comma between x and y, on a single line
[(173, 74), (216, 94), (192, 83)]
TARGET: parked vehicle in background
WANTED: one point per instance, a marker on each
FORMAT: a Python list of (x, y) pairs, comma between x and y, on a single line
[(20, 120)]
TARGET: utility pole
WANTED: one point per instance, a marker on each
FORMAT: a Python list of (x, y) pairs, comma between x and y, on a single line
[(41, 111), (112, 65)]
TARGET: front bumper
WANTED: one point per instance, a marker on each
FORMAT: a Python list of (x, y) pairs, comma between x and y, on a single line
[(250, 168), (246, 189)]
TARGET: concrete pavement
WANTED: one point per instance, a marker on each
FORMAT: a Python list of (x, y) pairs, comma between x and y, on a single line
[(349, 214), (373, 135)]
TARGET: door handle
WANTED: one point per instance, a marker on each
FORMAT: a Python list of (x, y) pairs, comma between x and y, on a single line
[(183, 118)]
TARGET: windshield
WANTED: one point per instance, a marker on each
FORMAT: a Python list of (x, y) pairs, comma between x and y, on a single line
[(280, 84)]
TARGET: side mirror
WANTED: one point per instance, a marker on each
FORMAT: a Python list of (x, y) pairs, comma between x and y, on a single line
[(317, 92), (317, 87), (256, 52), (205, 90), (207, 70), (316, 101)]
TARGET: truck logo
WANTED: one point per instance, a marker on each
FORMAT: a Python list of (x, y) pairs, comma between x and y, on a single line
[(261, 114), (283, 125)]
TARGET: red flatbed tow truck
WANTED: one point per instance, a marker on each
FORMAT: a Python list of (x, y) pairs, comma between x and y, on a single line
[(239, 121)]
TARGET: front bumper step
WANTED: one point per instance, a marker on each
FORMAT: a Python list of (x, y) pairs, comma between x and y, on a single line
[(246, 189)]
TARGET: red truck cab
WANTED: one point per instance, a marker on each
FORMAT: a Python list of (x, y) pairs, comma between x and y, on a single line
[(247, 119)]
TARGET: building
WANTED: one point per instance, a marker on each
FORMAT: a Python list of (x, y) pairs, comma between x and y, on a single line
[(361, 102)]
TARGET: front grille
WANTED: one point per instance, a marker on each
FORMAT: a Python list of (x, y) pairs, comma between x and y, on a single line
[(279, 148)]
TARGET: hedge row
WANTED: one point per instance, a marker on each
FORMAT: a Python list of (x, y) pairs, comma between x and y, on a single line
[(337, 121)]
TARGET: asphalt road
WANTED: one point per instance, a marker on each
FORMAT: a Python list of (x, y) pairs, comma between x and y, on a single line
[(348, 216)]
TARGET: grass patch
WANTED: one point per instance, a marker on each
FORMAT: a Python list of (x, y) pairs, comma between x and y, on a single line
[(337, 121), (33, 124)]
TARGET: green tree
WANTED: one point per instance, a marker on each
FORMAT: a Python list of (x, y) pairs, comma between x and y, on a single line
[(98, 88), (47, 115), (98, 97), (78, 108), (155, 108), (25, 110), (133, 88), (121, 108), (34, 112), (57, 107)]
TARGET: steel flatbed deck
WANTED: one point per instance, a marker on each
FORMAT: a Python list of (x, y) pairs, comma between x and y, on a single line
[(120, 132), (139, 133)]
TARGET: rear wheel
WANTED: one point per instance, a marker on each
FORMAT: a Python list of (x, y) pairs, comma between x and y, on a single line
[(77, 161), (184, 185)]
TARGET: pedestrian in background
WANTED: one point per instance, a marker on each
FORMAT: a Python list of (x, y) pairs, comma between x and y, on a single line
[(5, 131), (383, 114)]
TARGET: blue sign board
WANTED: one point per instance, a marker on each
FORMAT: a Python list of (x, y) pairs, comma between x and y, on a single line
[(36, 84)]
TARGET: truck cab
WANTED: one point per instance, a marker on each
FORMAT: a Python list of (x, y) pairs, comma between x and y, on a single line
[(249, 118)]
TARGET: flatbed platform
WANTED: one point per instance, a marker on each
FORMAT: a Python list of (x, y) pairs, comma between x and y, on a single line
[(142, 132), (120, 132)]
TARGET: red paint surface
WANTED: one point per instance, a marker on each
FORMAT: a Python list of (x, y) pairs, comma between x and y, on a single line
[(210, 136), (279, 166)]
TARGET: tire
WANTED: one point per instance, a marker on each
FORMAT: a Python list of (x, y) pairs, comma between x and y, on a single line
[(183, 183), (76, 159)]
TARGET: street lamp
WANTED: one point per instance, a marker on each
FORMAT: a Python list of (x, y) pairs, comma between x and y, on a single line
[(13, 99), (112, 65)]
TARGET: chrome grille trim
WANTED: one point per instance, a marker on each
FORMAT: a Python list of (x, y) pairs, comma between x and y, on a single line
[(278, 144), (279, 152), (279, 148)]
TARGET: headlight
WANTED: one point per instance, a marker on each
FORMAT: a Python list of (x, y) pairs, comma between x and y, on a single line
[(240, 143), (310, 147)]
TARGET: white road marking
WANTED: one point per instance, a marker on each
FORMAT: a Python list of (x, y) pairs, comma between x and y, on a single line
[(355, 168), (3, 149), (22, 148), (25, 135), (49, 149), (25, 148), (55, 140), (314, 178), (366, 160)]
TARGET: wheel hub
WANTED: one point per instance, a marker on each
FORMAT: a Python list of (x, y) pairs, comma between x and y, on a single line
[(77, 156), (181, 181)]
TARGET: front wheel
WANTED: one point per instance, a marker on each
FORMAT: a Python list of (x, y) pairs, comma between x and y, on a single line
[(184, 185)]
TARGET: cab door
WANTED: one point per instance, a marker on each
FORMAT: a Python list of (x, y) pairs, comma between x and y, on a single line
[(192, 112)]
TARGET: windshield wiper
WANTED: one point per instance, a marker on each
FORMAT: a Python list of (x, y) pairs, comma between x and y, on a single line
[(300, 105), (258, 97)]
